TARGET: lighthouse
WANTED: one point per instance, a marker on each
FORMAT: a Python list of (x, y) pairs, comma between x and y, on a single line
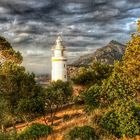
[(59, 61)]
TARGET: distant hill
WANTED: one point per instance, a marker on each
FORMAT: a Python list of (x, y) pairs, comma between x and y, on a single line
[(108, 54)]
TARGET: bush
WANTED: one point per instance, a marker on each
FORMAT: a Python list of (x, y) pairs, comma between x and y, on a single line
[(93, 74), (35, 131), (82, 133), (66, 118), (136, 110), (121, 123), (91, 97), (11, 135), (4, 136)]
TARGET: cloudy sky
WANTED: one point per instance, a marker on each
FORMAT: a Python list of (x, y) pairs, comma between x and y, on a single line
[(33, 25)]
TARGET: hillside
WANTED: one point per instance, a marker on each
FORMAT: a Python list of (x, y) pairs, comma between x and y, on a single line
[(107, 54)]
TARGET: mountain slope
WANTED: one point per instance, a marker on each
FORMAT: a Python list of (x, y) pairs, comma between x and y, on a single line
[(108, 54)]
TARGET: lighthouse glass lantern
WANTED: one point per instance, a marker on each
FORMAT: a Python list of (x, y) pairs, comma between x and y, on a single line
[(59, 61)]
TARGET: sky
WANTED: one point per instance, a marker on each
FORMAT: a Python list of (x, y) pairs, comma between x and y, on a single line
[(32, 26)]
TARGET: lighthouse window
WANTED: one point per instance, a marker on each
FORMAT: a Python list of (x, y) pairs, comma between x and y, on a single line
[(65, 76), (64, 65)]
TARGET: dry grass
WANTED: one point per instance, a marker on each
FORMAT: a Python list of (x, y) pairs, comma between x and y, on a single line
[(77, 117), (64, 127), (73, 112)]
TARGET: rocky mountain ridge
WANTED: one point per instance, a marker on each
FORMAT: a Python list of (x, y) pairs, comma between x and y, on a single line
[(107, 54)]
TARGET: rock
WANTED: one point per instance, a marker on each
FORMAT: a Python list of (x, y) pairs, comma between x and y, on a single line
[(108, 54)]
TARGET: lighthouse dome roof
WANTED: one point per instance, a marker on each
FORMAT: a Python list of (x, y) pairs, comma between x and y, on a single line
[(59, 43)]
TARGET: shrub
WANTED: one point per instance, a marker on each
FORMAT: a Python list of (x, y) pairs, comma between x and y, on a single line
[(93, 74), (11, 135), (91, 97), (136, 110), (121, 123), (66, 118), (4, 136), (35, 131), (82, 133)]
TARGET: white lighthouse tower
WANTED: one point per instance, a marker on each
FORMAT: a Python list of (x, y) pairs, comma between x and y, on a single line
[(59, 62)]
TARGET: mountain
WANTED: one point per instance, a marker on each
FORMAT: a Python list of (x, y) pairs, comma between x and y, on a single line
[(107, 54)]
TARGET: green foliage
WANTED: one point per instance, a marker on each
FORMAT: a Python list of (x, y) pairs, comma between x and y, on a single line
[(56, 95), (32, 106), (5, 116), (131, 64), (4, 136), (8, 135), (94, 74), (11, 80), (3, 110), (13, 56), (19, 93), (136, 110), (119, 91), (8, 52), (66, 118), (138, 24), (35, 131), (117, 87), (82, 133), (121, 122), (91, 97), (62, 90), (125, 79), (18, 88), (4, 44), (131, 60), (83, 78), (11, 68)]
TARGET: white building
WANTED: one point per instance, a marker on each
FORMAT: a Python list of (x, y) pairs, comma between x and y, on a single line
[(59, 62)]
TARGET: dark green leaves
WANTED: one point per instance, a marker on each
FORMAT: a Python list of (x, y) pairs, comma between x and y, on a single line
[(35, 131), (82, 133)]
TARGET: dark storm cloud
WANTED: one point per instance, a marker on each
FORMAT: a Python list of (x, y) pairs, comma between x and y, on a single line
[(33, 25)]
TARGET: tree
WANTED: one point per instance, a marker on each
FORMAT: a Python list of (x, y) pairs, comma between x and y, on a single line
[(123, 120), (29, 108), (19, 93), (8, 53), (91, 97), (92, 75), (19, 88), (56, 95), (119, 92), (4, 112), (138, 23), (131, 61), (125, 79), (4, 44), (12, 56), (118, 86)]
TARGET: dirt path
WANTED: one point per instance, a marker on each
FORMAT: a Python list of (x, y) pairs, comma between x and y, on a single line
[(76, 117)]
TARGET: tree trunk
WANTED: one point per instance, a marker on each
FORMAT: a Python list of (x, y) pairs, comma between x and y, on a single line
[(51, 117), (45, 120)]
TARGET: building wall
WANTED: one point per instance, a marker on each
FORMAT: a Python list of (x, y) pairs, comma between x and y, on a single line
[(59, 69), (58, 53)]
